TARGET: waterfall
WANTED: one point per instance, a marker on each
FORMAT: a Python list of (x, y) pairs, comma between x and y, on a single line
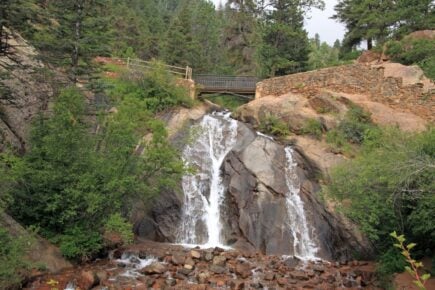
[(304, 245), (203, 189)]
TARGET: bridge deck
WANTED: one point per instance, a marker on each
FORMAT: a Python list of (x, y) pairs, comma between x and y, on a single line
[(233, 84)]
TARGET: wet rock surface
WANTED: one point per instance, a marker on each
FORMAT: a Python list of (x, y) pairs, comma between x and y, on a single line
[(255, 177), (229, 269)]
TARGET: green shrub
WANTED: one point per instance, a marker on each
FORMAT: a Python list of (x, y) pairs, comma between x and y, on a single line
[(273, 125), (155, 86), (80, 244), (12, 259), (313, 127), (420, 52), (353, 130), (118, 225), (390, 186), (390, 262)]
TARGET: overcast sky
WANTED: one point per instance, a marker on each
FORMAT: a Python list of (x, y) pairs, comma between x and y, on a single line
[(328, 29)]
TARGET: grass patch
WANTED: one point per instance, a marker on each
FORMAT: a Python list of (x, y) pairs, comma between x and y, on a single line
[(273, 125), (313, 127)]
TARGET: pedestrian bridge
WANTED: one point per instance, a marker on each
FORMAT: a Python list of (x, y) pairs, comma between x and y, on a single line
[(204, 83), (243, 85)]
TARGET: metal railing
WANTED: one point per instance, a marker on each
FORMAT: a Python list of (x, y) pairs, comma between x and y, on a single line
[(215, 83), (138, 64)]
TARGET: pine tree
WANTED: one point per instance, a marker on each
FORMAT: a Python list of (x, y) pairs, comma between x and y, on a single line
[(377, 20), (80, 33), (285, 45), (240, 36)]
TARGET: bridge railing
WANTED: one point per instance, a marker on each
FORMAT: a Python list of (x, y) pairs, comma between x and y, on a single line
[(138, 64), (226, 83)]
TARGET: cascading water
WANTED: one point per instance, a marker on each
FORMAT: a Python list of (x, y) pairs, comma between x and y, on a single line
[(203, 190), (304, 244)]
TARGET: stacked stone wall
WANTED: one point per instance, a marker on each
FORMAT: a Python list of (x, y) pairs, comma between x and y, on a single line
[(352, 79)]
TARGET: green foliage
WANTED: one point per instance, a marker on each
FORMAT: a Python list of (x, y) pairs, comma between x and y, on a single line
[(420, 52), (273, 125), (12, 259), (71, 176), (354, 129), (313, 127), (155, 87), (229, 102), (414, 266), (322, 55), (390, 262), (80, 243), (118, 225), (375, 20), (284, 50), (390, 186)]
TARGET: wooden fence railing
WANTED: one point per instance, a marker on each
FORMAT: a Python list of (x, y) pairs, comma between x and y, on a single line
[(138, 64)]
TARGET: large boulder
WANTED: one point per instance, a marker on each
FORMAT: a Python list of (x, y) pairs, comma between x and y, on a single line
[(257, 192), (41, 251)]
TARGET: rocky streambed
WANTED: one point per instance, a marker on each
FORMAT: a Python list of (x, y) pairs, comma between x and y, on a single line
[(152, 265)]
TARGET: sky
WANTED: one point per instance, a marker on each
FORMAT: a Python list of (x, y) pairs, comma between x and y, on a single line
[(319, 22)]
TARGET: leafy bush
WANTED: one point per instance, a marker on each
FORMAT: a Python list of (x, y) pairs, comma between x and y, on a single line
[(389, 262), (79, 243), (355, 128), (118, 225), (155, 86), (273, 125), (71, 176), (390, 186), (314, 128), (12, 260), (420, 52), (414, 266)]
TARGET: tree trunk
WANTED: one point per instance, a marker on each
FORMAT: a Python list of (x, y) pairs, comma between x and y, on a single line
[(369, 43), (77, 35)]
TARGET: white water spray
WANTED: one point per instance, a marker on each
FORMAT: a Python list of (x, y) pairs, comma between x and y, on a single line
[(304, 245), (201, 221)]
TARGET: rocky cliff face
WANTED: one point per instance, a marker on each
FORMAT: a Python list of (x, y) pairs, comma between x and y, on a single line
[(256, 213), (26, 86), (257, 192)]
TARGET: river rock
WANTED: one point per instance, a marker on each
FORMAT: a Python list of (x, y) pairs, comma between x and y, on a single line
[(195, 254), (217, 269), (203, 277), (189, 261), (208, 256), (219, 260), (178, 259), (154, 268), (88, 279), (243, 270)]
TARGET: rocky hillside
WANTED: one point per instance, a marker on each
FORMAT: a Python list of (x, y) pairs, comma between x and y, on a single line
[(26, 86), (394, 95)]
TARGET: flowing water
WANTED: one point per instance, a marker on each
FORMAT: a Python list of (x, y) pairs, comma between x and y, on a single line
[(304, 245), (203, 190)]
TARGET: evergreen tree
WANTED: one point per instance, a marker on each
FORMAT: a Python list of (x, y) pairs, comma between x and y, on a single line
[(240, 39), (80, 33), (285, 45), (365, 20), (193, 37), (376, 20)]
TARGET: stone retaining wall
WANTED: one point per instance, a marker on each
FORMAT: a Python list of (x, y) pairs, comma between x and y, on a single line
[(353, 78)]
